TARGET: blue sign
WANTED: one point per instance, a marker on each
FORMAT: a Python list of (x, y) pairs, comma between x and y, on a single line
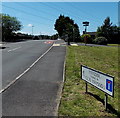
[(109, 85)]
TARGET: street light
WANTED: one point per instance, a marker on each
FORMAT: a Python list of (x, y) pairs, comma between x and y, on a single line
[(86, 23), (32, 29)]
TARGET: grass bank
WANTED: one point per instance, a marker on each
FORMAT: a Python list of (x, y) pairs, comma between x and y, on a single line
[(74, 101)]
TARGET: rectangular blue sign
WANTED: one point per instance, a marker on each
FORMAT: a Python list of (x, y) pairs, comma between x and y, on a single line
[(109, 85)]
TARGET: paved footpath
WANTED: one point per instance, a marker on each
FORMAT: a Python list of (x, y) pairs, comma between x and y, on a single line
[(37, 93)]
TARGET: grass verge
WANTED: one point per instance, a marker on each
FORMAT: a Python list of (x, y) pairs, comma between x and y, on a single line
[(74, 101), (113, 44)]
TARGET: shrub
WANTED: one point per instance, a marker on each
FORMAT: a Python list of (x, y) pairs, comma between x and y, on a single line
[(101, 41), (89, 38)]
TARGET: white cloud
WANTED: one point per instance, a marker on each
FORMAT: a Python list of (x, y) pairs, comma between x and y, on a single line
[(23, 32), (29, 25)]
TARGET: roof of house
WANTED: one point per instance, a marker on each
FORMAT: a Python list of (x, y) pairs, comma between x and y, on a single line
[(91, 33)]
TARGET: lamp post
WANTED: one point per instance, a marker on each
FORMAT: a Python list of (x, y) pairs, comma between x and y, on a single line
[(86, 23), (32, 29)]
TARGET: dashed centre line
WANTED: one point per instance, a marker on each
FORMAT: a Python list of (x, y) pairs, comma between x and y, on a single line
[(18, 77), (14, 49)]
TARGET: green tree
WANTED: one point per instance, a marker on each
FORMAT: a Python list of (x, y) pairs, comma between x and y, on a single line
[(9, 26), (69, 32), (108, 31), (66, 28), (60, 25), (105, 29), (76, 33)]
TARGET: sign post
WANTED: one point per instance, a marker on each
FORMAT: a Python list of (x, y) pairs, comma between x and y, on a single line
[(86, 88), (86, 23), (106, 97), (98, 79)]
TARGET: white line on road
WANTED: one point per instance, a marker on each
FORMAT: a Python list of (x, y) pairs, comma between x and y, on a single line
[(11, 83), (13, 49)]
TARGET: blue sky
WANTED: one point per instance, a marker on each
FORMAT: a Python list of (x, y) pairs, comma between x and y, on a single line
[(42, 15)]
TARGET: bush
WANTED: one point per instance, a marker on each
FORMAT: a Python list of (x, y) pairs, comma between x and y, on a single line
[(89, 38), (101, 41)]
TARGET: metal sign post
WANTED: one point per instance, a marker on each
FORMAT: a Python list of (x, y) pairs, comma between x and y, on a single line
[(106, 98), (85, 24), (86, 88)]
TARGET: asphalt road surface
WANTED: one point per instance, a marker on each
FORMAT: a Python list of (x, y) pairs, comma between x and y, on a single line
[(36, 92), (17, 57)]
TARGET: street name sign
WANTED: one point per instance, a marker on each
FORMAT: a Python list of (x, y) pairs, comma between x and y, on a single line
[(98, 79)]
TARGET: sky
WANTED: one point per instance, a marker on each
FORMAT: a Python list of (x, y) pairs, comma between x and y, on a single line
[(42, 15)]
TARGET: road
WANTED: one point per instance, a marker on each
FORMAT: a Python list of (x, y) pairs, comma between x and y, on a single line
[(17, 57), (36, 92)]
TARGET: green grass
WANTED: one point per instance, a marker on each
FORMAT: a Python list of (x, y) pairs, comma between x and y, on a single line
[(74, 101), (113, 44)]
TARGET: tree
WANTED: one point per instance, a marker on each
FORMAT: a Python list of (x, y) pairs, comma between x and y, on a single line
[(60, 25), (9, 26), (54, 37), (66, 28), (76, 33), (108, 31)]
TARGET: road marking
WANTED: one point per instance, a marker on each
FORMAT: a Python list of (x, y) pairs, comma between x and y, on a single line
[(17, 78), (13, 49), (48, 42), (74, 44), (56, 44)]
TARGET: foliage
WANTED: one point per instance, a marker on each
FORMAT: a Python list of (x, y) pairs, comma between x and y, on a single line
[(20, 36), (54, 37), (101, 41), (67, 29), (109, 31), (85, 36), (9, 26)]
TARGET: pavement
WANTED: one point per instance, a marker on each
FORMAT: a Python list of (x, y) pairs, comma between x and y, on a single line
[(37, 92)]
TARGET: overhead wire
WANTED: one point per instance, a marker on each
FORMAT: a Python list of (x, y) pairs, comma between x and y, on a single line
[(48, 26), (42, 11), (63, 12), (33, 21), (27, 13), (90, 15), (68, 12), (94, 18)]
